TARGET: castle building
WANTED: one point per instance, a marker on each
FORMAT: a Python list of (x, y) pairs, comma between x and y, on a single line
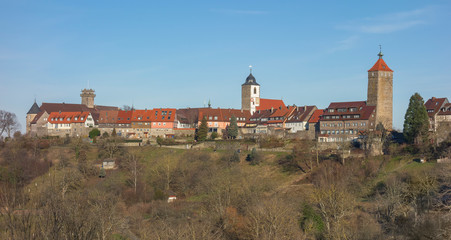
[(380, 92), (87, 97), (250, 94)]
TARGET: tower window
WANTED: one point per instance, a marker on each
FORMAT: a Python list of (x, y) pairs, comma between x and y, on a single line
[(255, 90)]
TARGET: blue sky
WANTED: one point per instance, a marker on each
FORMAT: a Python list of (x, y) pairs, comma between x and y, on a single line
[(183, 53)]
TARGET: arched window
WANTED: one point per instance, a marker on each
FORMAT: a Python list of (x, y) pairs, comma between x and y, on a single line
[(255, 90)]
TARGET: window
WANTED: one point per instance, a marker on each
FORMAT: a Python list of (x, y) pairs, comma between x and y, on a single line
[(331, 110), (216, 117), (159, 124), (82, 118), (209, 118), (164, 124), (154, 124), (255, 90), (156, 113)]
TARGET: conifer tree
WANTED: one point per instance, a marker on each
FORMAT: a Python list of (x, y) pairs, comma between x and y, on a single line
[(114, 134), (416, 120), (233, 128), (202, 132)]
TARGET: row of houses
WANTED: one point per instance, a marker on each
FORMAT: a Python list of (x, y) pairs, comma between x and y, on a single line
[(340, 121)]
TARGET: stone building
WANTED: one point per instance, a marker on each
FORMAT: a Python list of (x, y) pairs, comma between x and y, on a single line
[(250, 94), (345, 121), (38, 117), (87, 97), (380, 92)]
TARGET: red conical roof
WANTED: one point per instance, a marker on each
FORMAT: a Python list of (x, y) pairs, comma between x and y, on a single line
[(380, 65)]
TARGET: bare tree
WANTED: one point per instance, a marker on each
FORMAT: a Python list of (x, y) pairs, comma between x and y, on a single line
[(8, 123), (334, 204), (133, 167)]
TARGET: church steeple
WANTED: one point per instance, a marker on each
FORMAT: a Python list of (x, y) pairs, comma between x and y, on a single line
[(250, 93)]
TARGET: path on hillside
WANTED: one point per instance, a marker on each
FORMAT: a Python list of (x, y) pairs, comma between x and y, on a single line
[(294, 183)]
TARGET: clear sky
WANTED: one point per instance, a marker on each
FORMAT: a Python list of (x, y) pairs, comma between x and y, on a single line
[(183, 53)]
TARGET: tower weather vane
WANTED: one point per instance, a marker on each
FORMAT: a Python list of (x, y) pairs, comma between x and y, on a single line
[(250, 68)]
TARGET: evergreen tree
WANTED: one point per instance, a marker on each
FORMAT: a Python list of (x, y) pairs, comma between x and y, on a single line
[(93, 134), (416, 120), (202, 132), (233, 128), (114, 134)]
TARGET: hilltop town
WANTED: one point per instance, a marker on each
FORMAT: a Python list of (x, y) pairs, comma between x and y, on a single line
[(258, 116)]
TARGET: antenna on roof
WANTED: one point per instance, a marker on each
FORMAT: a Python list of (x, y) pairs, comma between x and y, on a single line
[(35, 98), (250, 69)]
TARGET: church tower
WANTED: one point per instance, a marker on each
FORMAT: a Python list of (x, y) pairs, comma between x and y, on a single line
[(31, 114), (380, 92), (250, 94), (87, 97)]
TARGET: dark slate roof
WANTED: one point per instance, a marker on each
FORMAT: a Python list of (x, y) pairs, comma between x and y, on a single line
[(34, 109), (250, 80)]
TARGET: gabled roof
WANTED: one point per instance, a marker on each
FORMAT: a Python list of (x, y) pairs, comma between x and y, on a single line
[(34, 109), (223, 115), (163, 115), (124, 117), (301, 114), (445, 110), (316, 116), (380, 65), (141, 115), (270, 103), (71, 107), (433, 105), (68, 117), (363, 111)]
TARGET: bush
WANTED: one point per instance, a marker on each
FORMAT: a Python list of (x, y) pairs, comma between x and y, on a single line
[(213, 135)]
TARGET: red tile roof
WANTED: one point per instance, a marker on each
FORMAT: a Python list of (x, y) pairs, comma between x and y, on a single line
[(68, 117), (141, 115), (380, 65), (163, 115), (270, 103), (124, 117), (316, 116), (433, 105)]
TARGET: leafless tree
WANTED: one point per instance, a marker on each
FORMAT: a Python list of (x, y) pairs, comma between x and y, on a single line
[(133, 167), (8, 123), (334, 204)]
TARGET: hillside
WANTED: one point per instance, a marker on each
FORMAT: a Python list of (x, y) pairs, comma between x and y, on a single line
[(52, 190)]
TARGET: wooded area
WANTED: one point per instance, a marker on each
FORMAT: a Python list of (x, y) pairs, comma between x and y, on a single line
[(51, 189)]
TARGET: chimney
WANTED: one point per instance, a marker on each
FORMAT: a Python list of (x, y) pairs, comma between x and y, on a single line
[(272, 109), (305, 108)]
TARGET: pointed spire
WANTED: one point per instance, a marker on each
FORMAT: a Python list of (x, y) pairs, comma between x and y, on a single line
[(380, 52), (380, 65)]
